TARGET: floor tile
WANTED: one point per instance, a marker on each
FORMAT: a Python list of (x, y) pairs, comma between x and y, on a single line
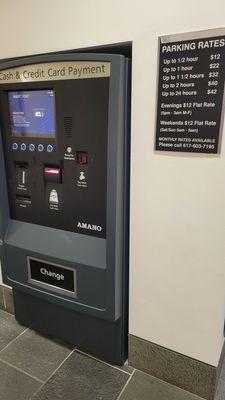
[(15, 385), (35, 354), (127, 368), (8, 293), (83, 378), (9, 329), (145, 387)]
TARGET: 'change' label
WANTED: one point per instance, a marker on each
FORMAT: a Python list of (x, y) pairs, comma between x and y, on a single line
[(52, 275)]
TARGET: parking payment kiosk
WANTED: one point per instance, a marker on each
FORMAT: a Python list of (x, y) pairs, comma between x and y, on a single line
[(64, 183)]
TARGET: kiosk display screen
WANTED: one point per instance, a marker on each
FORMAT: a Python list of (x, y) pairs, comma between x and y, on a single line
[(32, 113)]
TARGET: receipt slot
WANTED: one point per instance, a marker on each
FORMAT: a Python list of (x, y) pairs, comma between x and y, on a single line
[(64, 196)]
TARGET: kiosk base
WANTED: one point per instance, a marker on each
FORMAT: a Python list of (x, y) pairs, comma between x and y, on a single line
[(103, 339)]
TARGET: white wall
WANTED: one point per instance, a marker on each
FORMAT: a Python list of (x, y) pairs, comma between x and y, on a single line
[(177, 202)]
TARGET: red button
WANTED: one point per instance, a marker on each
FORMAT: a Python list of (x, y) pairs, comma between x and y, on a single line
[(81, 157)]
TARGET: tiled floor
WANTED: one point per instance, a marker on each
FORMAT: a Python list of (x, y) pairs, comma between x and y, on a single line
[(34, 367)]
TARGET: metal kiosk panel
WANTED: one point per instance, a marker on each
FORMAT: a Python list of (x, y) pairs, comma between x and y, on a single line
[(64, 196)]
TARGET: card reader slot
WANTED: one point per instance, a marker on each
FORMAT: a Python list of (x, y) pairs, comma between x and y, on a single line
[(52, 174)]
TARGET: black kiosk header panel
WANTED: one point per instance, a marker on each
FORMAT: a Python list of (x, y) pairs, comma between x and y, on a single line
[(52, 145)]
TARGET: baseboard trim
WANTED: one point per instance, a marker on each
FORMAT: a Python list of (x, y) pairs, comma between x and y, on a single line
[(177, 369), (6, 299)]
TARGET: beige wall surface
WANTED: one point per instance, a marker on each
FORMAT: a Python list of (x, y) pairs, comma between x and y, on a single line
[(177, 253)]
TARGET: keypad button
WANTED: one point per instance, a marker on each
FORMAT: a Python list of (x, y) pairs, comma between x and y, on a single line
[(15, 146), (23, 146), (49, 148), (32, 147), (40, 147)]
